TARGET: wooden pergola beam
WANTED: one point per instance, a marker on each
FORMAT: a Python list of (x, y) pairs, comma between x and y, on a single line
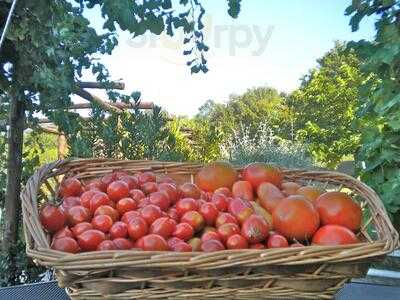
[(95, 99), (96, 85), (140, 105)]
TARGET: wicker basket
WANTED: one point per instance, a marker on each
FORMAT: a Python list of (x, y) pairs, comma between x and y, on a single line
[(312, 272)]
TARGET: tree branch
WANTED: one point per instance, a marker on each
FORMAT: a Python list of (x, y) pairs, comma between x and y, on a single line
[(93, 98)]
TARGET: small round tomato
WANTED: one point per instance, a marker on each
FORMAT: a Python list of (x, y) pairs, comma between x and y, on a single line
[(52, 218), (146, 177), (189, 190), (195, 243), (257, 246), (117, 190), (154, 242), (137, 228), (227, 230), (126, 204), (90, 239), (163, 226), (143, 202), (255, 229), (212, 246), (194, 219), (97, 200), (150, 213), (172, 241), (241, 209), (129, 215), (69, 202), (277, 241), (102, 223), (210, 235), (81, 228), (181, 247), (173, 214), (183, 231), (118, 230), (65, 244), (107, 210), (170, 190), (186, 204), (78, 214), (160, 199), (122, 244), (106, 180), (209, 212), (149, 187), (220, 201), (224, 191), (131, 181), (65, 232), (86, 196), (106, 245), (70, 187), (237, 241), (94, 185), (224, 218), (333, 235), (136, 194)]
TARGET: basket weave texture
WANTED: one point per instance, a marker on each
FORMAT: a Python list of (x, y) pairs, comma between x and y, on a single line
[(312, 272)]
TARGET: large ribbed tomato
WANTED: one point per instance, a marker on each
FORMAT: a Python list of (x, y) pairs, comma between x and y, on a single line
[(332, 235), (256, 173), (216, 175), (243, 189)]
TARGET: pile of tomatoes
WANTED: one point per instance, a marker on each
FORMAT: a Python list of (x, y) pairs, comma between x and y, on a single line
[(223, 209)]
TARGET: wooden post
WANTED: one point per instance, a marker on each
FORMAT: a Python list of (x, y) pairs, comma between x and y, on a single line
[(14, 171)]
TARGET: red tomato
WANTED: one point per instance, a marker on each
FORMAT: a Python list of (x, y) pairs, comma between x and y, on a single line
[(210, 235), (257, 246), (215, 175), (137, 228), (94, 185), (339, 209), (170, 190), (52, 218), (243, 189), (209, 228), (269, 196), (98, 200), (189, 190), (160, 199), (212, 246), (186, 204), (241, 209), (237, 241), (223, 190), (136, 194), (209, 212), (65, 244), (78, 214), (163, 227), (86, 196), (295, 218), (119, 174), (90, 239), (106, 180), (200, 202), (154, 242), (194, 219), (220, 201), (147, 177), (150, 213), (106, 245), (172, 241), (277, 241), (129, 216), (118, 230), (117, 190), (70, 187), (122, 244), (102, 223), (131, 181), (69, 202), (149, 187), (296, 245), (126, 204), (81, 228), (143, 202), (195, 243), (224, 218), (65, 232), (333, 235), (107, 210), (256, 173), (181, 247), (227, 230), (183, 231), (255, 229), (173, 214)]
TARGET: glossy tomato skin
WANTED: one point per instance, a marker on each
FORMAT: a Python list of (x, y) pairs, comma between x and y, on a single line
[(257, 246), (290, 188), (80, 228), (172, 241), (255, 229), (106, 245), (223, 190), (210, 235), (94, 185), (65, 244), (78, 214), (339, 209), (183, 231), (334, 235), (70, 187), (154, 242), (102, 223), (241, 209), (107, 210), (90, 239), (227, 230), (216, 175), (137, 228), (189, 190), (146, 177), (209, 212), (186, 204), (224, 218), (237, 241), (52, 218), (122, 244), (125, 204), (64, 232), (256, 173), (181, 247), (129, 216), (97, 200), (310, 192), (118, 230), (136, 194), (194, 219), (131, 181), (143, 202), (269, 196), (212, 246), (149, 187), (243, 189), (160, 199), (69, 202), (163, 226), (117, 190), (220, 201), (86, 196), (106, 180), (119, 174), (295, 218), (277, 241), (170, 190), (150, 213), (173, 214)]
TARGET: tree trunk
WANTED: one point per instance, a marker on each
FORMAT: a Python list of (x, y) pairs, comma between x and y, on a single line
[(14, 170)]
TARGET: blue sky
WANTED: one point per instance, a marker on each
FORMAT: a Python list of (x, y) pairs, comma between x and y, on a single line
[(272, 43)]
